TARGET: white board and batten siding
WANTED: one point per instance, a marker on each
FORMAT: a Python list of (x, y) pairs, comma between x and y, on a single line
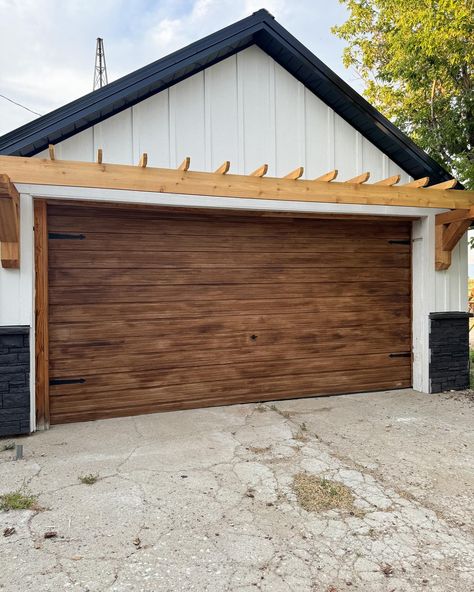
[(249, 110), (246, 109)]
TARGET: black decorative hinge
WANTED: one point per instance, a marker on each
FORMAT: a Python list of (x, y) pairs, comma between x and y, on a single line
[(400, 242), (55, 381), (400, 355), (65, 236)]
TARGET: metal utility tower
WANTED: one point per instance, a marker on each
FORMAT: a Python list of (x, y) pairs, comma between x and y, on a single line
[(100, 70)]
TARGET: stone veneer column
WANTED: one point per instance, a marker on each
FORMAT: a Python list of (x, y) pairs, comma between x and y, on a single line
[(14, 381), (449, 349)]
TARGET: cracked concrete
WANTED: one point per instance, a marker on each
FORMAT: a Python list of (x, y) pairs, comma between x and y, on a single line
[(202, 500)]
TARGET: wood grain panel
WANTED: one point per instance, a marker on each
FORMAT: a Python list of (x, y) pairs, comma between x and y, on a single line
[(207, 357), (333, 312), (205, 334), (108, 379), (102, 242), (173, 260), (159, 310), (95, 278), (110, 294)]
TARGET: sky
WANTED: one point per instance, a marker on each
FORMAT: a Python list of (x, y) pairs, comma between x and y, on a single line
[(47, 47)]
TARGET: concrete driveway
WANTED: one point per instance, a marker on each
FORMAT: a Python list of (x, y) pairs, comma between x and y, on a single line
[(207, 499)]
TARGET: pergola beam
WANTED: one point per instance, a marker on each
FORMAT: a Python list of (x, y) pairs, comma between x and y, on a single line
[(182, 181)]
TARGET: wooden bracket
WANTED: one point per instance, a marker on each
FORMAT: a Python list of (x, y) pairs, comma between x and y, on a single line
[(9, 224), (450, 228)]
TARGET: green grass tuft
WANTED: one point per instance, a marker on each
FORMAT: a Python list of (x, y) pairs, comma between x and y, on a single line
[(18, 500)]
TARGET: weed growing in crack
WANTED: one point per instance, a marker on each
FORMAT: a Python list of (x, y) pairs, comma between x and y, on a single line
[(7, 446), (89, 479), (316, 494), (18, 500), (301, 435), (285, 414)]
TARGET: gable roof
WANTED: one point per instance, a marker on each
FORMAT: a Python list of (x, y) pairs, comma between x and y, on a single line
[(260, 29)]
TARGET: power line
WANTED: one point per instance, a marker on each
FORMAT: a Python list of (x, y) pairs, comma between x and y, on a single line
[(20, 105)]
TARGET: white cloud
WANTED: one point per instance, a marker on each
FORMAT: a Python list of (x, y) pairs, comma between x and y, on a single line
[(47, 47), (166, 33)]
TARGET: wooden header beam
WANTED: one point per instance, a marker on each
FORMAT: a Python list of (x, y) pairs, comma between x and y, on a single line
[(9, 224), (183, 181)]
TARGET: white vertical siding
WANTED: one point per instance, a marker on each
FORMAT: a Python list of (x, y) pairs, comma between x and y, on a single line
[(151, 130), (187, 131), (451, 285), (246, 109), (256, 111), (345, 149), (320, 156), (16, 285), (290, 124), (115, 137), (372, 160), (221, 123), (79, 147)]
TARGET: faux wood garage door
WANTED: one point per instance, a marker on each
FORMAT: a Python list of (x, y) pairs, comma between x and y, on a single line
[(153, 311)]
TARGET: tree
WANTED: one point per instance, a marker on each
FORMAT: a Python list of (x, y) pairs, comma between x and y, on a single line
[(416, 58)]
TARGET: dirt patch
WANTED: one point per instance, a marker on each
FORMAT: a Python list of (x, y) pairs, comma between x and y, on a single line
[(259, 449), (466, 396), (316, 494)]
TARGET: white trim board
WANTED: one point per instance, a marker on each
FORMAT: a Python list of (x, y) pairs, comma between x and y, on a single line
[(204, 201)]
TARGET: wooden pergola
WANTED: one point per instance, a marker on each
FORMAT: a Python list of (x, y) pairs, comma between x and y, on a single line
[(450, 226)]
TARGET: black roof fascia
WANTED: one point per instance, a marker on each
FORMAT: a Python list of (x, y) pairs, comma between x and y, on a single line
[(260, 29)]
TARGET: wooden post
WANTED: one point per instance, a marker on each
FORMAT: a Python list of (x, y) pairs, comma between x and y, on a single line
[(41, 315)]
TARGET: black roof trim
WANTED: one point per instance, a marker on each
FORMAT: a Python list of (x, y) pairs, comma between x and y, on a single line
[(260, 29)]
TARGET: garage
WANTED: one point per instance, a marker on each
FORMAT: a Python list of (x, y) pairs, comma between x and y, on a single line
[(159, 309), (230, 223)]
